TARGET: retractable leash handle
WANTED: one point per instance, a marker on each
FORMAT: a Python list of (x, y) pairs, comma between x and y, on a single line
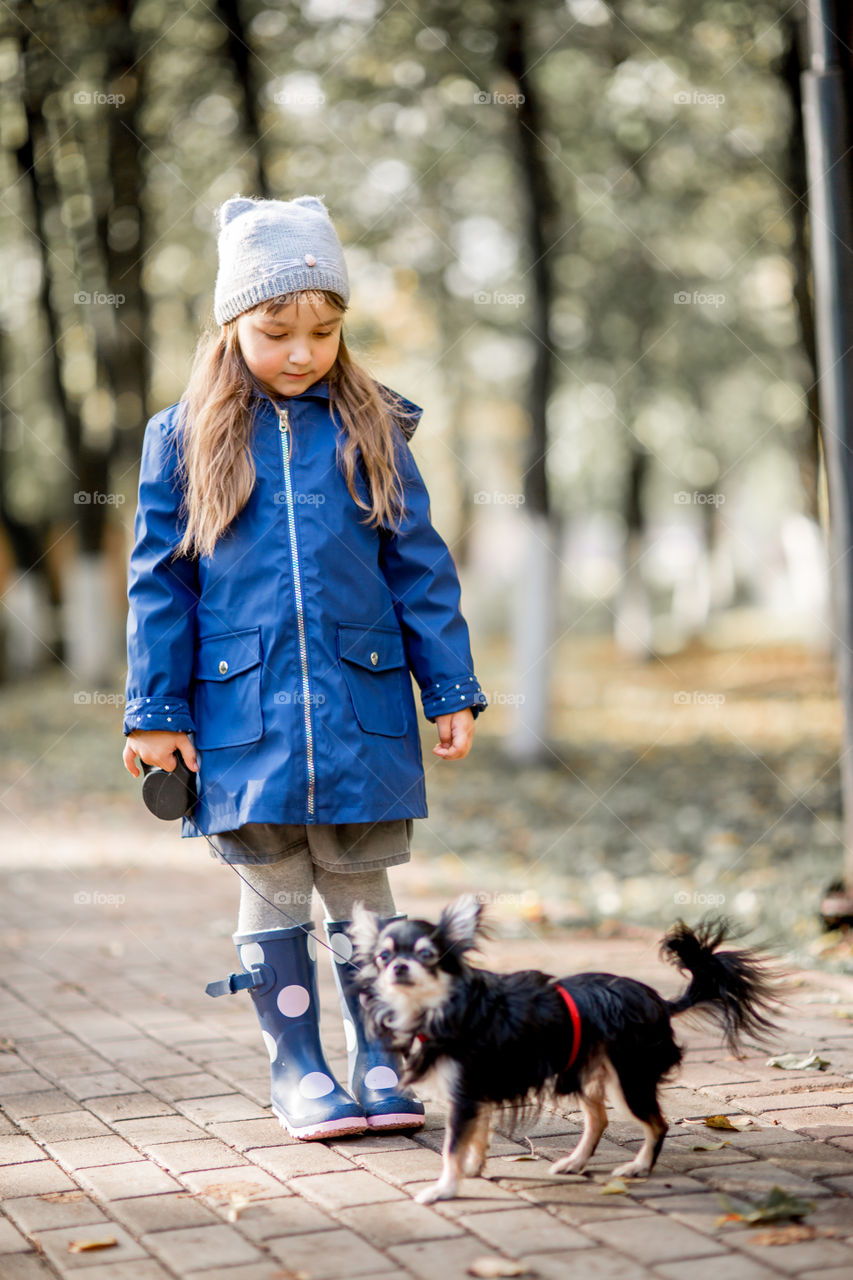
[(169, 795)]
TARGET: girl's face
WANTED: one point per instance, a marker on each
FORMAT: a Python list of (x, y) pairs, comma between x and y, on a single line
[(290, 349)]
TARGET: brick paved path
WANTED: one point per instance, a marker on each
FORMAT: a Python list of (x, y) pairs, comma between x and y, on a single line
[(135, 1110)]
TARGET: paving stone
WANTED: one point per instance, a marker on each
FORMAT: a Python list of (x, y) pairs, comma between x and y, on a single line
[(253, 1271), (11, 1240), (812, 1160), (18, 1149), (397, 1223), (16, 1083), (476, 1195), (56, 1209), (794, 1259), (129, 1106), (189, 1249), (134, 1269), (328, 1255), (288, 1214), (245, 1134), (756, 1178), (448, 1258), (98, 1084), (334, 1191), (182, 1157), (299, 1158), (815, 1122), (55, 1245), (120, 1181), (578, 1202), (33, 1179), (652, 1239), (192, 1085), (84, 1153), (21, 1105), (26, 1266), (148, 1132), (221, 1108), (735, 1267), (378, 1141), (217, 1185), (523, 1231), (161, 1065), (141, 1214), (403, 1166), (597, 1263), (61, 1125), (808, 1098)]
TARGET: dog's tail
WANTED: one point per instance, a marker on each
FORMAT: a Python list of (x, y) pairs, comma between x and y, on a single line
[(736, 989)]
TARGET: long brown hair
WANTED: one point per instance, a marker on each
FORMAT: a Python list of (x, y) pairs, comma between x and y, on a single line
[(217, 417)]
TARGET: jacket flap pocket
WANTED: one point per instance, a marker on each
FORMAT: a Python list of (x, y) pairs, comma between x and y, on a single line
[(375, 648), (223, 656)]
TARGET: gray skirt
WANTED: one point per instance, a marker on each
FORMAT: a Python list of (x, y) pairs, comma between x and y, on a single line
[(342, 847)]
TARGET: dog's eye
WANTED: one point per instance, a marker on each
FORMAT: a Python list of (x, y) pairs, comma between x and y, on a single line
[(427, 952), (384, 955)]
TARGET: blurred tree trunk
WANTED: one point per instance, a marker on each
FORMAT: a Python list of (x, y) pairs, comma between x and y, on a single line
[(240, 53), (632, 618), (534, 607)]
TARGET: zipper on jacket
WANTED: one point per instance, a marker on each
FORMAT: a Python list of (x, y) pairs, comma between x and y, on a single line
[(284, 430)]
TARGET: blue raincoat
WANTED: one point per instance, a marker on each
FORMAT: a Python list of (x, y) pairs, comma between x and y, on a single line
[(287, 653)]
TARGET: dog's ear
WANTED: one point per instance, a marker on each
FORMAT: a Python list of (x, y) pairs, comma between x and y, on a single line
[(363, 931), (461, 922)]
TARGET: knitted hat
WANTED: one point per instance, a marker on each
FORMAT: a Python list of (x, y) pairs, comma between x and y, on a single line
[(269, 247)]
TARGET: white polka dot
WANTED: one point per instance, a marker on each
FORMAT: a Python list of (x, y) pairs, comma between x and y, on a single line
[(312, 947), (269, 1041), (251, 953), (342, 947), (316, 1085), (380, 1078), (293, 1001), (349, 1035)]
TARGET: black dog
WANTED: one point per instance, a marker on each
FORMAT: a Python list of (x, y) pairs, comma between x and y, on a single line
[(493, 1039)]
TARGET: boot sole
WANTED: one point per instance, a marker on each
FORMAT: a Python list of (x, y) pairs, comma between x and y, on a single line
[(403, 1120), (326, 1129)]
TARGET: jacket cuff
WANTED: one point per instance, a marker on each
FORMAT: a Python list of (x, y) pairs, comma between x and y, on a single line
[(453, 694), (158, 713)]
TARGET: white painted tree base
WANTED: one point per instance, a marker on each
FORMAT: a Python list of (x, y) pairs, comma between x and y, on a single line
[(533, 634)]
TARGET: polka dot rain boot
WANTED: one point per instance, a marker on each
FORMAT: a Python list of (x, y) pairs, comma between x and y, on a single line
[(305, 1095), (372, 1069)]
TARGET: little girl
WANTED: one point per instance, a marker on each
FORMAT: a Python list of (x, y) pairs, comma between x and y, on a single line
[(284, 582)]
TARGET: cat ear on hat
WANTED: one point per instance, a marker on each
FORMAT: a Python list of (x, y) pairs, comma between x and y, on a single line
[(311, 202), (233, 208)]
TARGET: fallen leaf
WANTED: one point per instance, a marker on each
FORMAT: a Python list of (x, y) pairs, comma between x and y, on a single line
[(710, 1146), (718, 1122), (615, 1187), (62, 1197), (522, 1157), (779, 1204), (737, 1123), (798, 1061), (728, 1217), (490, 1266), (85, 1246)]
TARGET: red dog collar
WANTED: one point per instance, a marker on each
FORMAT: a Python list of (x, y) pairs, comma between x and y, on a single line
[(576, 1026)]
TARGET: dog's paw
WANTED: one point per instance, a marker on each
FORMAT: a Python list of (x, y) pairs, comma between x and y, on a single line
[(568, 1164), (633, 1169), (473, 1166), (438, 1191)]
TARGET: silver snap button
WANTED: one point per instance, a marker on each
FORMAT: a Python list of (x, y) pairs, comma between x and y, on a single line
[(374, 657), (223, 667)]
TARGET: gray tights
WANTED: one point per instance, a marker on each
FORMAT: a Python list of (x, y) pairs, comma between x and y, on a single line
[(289, 884)]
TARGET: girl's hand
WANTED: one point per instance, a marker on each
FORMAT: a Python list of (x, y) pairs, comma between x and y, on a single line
[(157, 747), (455, 734)]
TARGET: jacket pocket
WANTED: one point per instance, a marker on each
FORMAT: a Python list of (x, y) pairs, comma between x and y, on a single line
[(374, 666), (227, 692)]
